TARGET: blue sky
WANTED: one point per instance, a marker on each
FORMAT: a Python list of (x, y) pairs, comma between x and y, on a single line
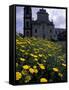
[(57, 15)]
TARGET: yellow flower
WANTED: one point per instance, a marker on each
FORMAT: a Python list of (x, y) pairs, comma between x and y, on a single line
[(18, 75), (22, 59), (31, 70), (60, 74), (63, 64), (62, 59), (41, 66), (40, 55), (28, 42), (36, 70), (35, 59), (26, 53), (26, 67), (22, 50), (22, 46), (49, 46), (44, 60), (35, 52), (27, 78), (34, 66), (43, 80), (35, 56), (17, 40), (55, 69), (32, 54)]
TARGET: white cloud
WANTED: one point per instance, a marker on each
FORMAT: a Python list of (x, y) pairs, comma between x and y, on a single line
[(58, 16)]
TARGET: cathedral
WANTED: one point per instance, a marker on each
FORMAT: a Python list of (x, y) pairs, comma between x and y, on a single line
[(40, 28)]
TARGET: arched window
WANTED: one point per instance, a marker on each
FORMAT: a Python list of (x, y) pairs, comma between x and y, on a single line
[(35, 30), (28, 9), (43, 27), (50, 30), (27, 24), (56, 32)]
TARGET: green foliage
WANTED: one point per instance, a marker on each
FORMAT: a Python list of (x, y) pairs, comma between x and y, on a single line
[(40, 58)]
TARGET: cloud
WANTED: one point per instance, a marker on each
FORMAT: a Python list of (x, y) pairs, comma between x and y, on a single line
[(34, 13), (58, 16)]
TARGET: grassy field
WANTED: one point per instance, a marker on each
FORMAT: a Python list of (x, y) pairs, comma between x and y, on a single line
[(40, 61)]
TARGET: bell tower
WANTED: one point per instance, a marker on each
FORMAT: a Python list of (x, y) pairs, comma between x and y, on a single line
[(27, 21)]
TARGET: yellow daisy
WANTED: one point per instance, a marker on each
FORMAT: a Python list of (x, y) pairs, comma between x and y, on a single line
[(55, 69), (18, 75), (27, 78), (63, 64), (32, 54), (43, 80), (34, 66), (28, 42), (22, 59), (35, 59), (26, 67), (36, 70), (40, 55), (60, 74), (41, 66), (31, 70), (22, 50), (35, 56)]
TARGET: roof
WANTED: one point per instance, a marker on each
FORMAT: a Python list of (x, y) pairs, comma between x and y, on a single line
[(42, 11), (60, 29), (38, 23)]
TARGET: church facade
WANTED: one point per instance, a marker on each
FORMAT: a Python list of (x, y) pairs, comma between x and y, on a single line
[(40, 28)]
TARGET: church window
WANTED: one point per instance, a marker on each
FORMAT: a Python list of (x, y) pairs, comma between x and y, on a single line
[(43, 27), (27, 24), (35, 30), (56, 32), (50, 30), (27, 10), (54, 35)]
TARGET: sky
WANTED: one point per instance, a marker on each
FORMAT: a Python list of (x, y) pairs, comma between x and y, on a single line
[(57, 15)]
